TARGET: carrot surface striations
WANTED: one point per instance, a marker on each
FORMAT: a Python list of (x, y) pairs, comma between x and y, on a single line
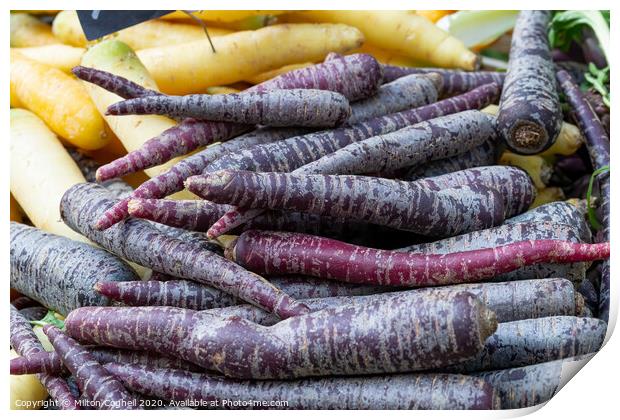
[(289, 253), (530, 341), (529, 116), (277, 108), (412, 391), (508, 234), (513, 184), (92, 378), (383, 335), (51, 362), (118, 85), (26, 343), (395, 204), (438, 138), (138, 241), (59, 272), (454, 81)]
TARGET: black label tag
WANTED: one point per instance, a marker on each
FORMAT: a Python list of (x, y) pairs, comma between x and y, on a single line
[(97, 23)]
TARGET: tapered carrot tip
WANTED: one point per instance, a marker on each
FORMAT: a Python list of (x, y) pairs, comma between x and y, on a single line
[(201, 184), (113, 215), (51, 331), (135, 208)]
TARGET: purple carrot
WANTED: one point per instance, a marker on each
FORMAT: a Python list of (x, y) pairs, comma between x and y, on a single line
[(355, 76), (60, 272), (597, 143), (91, 377), (508, 234), (26, 343), (277, 108), (396, 204), (482, 155), (531, 341), (410, 392), (138, 241), (118, 85), (89, 166), (34, 313), (454, 81), (399, 334), (23, 302), (51, 362), (288, 253), (529, 116)]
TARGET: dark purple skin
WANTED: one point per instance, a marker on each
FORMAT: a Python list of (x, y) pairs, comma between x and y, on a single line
[(290, 154), (511, 233), (34, 313), (529, 116), (97, 383), (23, 302), (276, 108), (118, 85), (597, 143), (26, 343), (59, 272), (454, 81), (384, 335), (51, 362), (482, 155), (89, 167), (421, 391), (396, 204), (138, 241), (439, 138), (355, 76), (513, 184), (592, 51), (530, 341)]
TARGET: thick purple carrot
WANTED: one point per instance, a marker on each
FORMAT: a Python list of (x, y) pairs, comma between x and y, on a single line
[(396, 204), (438, 138), (530, 341), (393, 392), (51, 362), (454, 81), (288, 253), (26, 343), (597, 143), (277, 108), (530, 117), (59, 272), (118, 85), (386, 334), (508, 234), (355, 76), (138, 241), (97, 383), (513, 184), (483, 155)]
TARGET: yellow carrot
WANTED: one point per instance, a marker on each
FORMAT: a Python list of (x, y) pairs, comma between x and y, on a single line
[(389, 57), (261, 77), (59, 100), (536, 166), (548, 195), (193, 67), (224, 16), (41, 172), (403, 32), (15, 211), (28, 31), (153, 33), (62, 57), (221, 90)]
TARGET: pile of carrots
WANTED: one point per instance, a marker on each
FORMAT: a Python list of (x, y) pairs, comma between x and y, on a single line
[(317, 210)]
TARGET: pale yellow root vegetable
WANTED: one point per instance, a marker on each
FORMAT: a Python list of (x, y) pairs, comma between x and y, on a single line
[(536, 166), (27, 393), (63, 57), (389, 57), (224, 16), (261, 77), (548, 195), (15, 212), (403, 32), (153, 33), (434, 15), (132, 130), (221, 90), (58, 99), (28, 31), (41, 172), (193, 67), (568, 142)]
